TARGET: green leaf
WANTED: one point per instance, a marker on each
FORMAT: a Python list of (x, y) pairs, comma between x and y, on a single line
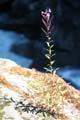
[(53, 55), (47, 56), (51, 46), (47, 49), (50, 51), (56, 70), (48, 70), (48, 44), (52, 62)]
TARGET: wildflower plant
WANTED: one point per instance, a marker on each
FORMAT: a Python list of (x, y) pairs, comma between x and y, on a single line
[(47, 30)]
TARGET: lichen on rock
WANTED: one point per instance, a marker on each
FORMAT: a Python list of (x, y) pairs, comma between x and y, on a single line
[(26, 94)]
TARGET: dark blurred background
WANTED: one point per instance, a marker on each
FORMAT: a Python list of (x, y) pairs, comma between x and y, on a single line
[(21, 38)]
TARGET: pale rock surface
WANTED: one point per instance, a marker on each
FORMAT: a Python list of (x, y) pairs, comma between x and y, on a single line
[(13, 84)]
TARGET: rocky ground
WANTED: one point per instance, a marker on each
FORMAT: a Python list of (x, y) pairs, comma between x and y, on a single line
[(26, 94)]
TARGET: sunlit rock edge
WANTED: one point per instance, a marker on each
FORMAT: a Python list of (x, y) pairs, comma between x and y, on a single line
[(13, 84)]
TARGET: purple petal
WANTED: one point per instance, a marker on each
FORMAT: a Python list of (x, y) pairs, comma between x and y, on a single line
[(44, 22)]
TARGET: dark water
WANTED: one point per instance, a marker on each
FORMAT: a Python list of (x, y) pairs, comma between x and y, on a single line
[(7, 39), (71, 75)]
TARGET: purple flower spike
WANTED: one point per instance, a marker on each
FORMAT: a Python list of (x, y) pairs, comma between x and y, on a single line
[(47, 29), (46, 19), (46, 14)]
